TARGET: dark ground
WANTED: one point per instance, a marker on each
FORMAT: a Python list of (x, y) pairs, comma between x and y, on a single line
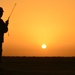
[(37, 66)]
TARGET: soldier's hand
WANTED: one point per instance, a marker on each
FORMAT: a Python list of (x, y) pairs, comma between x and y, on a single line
[(7, 22)]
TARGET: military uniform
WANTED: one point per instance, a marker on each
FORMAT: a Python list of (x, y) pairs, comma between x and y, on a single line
[(3, 29)]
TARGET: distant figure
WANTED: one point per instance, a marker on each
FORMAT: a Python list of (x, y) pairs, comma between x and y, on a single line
[(3, 29)]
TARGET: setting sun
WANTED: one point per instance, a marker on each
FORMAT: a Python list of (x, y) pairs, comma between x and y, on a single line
[(44, 46)]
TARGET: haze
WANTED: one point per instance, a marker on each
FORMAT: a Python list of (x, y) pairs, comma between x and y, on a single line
[(37, 22)]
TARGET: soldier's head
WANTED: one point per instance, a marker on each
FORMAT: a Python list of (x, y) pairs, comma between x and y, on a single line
[(1, 12)]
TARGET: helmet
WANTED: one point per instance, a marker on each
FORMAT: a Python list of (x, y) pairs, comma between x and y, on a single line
[(1, 9)]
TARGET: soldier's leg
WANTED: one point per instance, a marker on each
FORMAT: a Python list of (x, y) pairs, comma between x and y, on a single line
[(0, 52)]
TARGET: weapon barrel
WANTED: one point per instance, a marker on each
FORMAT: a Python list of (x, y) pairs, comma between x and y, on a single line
[(12, 11)]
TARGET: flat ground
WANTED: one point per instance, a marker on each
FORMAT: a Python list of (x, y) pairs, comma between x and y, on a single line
[(37, 66)]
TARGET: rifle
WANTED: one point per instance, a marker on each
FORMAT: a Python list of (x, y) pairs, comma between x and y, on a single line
[(10, 15), (11, 11)]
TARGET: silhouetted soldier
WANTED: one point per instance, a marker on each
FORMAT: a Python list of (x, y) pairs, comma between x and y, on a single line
[(3, 29)]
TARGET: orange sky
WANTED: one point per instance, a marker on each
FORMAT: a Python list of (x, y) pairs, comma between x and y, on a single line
[(37, 22)]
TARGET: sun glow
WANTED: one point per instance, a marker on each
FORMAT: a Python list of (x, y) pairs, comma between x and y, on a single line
[(44, 46)]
